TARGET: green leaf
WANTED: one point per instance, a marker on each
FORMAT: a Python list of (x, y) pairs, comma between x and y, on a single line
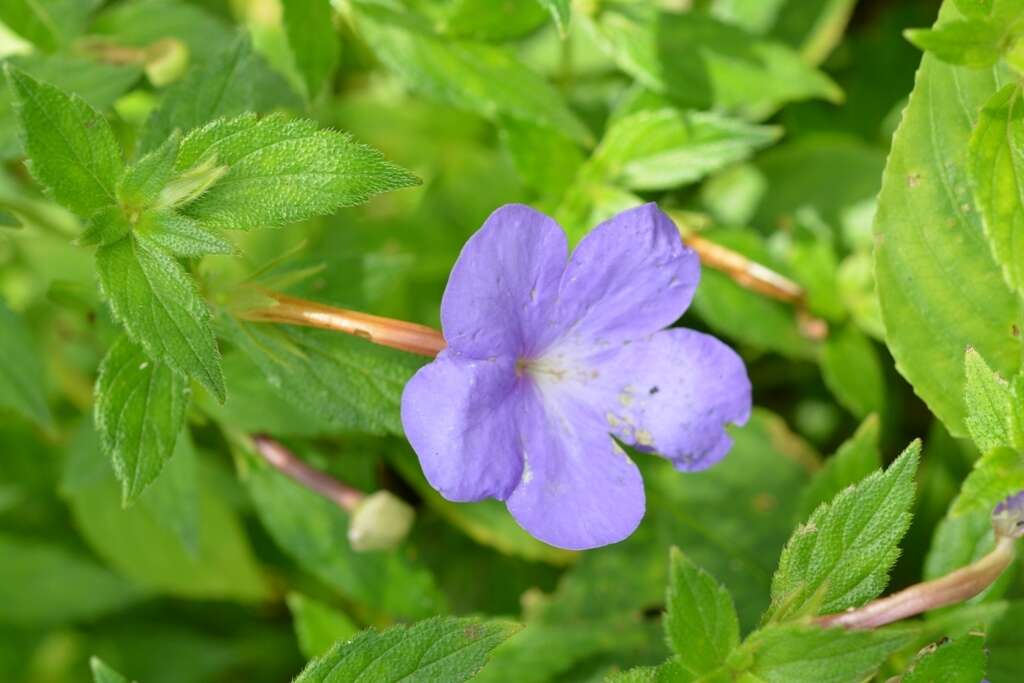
[(44, 584), (140, 408), (101, 673), (345, 382), (481, 78), (974, 8), (176, 502), (160, 308), (313, 41), (700, 620), (996, 475), (179, 235), (546, 160), (995, 408), (996, 170), (281, 171), (140, 544), (560, 12), (794, 653), (852, 370), (925, 228), (961, 660), (1004, 642), (142, 182), (318, 626), (48, 24), (664, 148), (71, 146), (438, 649), (857, 458), (22, 382), (841, 557), (143, 22), (702, 63), (314, 531), (972, 43)]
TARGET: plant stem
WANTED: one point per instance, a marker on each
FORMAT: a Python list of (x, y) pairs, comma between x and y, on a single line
[(283, 460), (955, 587)]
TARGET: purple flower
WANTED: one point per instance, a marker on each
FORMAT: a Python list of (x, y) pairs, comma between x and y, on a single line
[(550, 356)]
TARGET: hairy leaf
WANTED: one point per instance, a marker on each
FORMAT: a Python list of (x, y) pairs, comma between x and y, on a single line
[(857, 458), (995, 408)]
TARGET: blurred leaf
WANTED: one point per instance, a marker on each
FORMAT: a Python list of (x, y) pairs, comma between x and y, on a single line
[(159, 305), (961, 660), (855, 460), (433, 650), (1004, 643), (313, 40), (141, 546), (72, 147), (546, 160), (996, 170), (700, 62), (973, 43), (22, 382), (42, 583), (700, 619), (140, 408), (143, 22), (318, 626), (48, 24), (473, 76), (927, 224), (490, 20), (314, 531), (102, 673), (852, 370), (974, 8), (842, 556), (560, 12), (795, 653), (995, 408), (175, 504), (280, 171), (345, 382), (812, 28)]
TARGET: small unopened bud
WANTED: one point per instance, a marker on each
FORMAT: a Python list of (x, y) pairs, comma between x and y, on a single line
[(166, 61), (379, 522), (1008, 517), (191, 184)]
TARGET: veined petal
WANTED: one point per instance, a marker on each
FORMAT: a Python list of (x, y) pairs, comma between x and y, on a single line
[(460, 417), (502, 289), (672, 393), (578, 488), (630, 277)]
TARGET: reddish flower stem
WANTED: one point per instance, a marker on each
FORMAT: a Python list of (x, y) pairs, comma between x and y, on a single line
[(283, 460), (955, 587)]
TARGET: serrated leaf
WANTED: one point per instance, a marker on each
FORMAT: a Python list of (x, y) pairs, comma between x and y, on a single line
[(313, 40), (314, 531), (972, 43), (22, 383), (438, 649), (927, 225), (852, 371), (101, 673), (141, 183), (700, 620), (995, 408), (475, 76), (996, 475), (48, 24), (856, 459), (996, 170), (318, 626), (160, 308), (72, 147), (842, 556), (281, 171), (45, 584), (700, 62), (140, 408), (179, 235), (346, 382), (560, 11), (793, 653), (961, 660)]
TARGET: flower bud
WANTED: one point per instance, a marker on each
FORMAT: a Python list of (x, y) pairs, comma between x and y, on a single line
[(191, 184), (1008, 517), (379, 522), (166, 61)]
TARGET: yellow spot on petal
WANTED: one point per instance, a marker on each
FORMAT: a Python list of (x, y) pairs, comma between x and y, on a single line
[(644, 437)]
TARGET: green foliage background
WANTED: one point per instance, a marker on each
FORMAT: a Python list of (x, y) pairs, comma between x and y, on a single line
[(141, 539)]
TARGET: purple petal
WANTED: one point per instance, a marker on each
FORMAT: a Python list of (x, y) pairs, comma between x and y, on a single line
[(578, 488), (503, 287), (671, 393), (460, 417), (630, 277)]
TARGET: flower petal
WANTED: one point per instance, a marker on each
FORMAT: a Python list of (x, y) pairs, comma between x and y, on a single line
[(630, 277), (503, 287), (460, 417), (672, 393), (579, 489)]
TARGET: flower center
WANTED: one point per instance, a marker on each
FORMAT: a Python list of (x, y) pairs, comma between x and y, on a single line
[(538, 369)]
